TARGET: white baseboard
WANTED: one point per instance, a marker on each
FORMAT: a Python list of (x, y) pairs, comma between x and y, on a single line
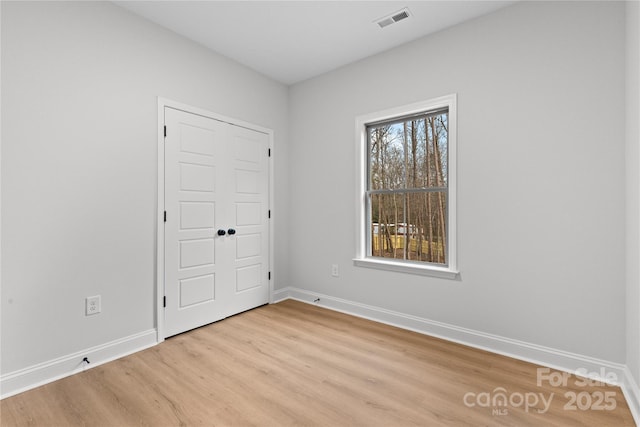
[(43, 373), (280, 295), (601, 370), (632, 394)]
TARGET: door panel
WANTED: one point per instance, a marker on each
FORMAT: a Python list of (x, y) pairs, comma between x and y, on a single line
[(197, 215), (216, 178), (248, 246), (248, 213), (248, 277), (249, 209), (193, 149), (197, 252), (197, 290), (197, 178)]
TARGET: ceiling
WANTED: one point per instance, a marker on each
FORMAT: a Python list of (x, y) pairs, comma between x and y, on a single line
[(291, 41)]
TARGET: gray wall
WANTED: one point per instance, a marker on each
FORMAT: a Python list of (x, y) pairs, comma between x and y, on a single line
[(541, 220), (79, 161), (633, 188)]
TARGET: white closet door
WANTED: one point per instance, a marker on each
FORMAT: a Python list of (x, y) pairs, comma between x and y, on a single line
[(249, 193), (216, 229)]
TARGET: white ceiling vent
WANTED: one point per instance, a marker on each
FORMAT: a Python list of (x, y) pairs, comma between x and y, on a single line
[(393, 18)]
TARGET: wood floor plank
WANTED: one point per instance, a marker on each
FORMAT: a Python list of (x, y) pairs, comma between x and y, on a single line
[(294, 364)]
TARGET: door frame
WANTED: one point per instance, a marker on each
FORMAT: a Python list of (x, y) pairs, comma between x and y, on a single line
[(160, 235)]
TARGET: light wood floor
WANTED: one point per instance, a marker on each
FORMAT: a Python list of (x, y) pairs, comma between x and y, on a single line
[(295, 364)]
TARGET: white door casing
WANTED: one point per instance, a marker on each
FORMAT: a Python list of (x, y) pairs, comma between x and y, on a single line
[(216, 235)]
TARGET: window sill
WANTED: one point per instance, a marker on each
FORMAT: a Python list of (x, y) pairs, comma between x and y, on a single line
[(407, 267)]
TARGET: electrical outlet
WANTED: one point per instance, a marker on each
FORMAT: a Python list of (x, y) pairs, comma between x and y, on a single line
[(93, 305), (334, 270)]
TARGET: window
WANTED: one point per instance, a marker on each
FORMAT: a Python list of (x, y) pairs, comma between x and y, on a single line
[(406, 187)]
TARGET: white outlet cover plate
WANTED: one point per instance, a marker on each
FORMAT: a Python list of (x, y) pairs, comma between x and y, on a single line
[(92, 305)]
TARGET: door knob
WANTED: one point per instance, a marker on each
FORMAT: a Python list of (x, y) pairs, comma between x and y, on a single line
[(231, 231), (221, 232)]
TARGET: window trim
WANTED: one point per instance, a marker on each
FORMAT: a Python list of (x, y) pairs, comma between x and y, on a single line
[(362, 258)]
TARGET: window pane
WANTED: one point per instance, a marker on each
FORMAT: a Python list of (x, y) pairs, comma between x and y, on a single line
[(426, 214), (387, 216), (427, 152), (386, 154), (409, 154), (409, 226)]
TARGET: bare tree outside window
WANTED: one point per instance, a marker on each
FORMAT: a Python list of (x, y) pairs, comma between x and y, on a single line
[(407, 191)]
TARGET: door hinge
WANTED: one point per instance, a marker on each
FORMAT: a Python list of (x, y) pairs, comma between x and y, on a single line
[(269, 151), (269, 215), (165, 216), (269, 275), (164, 301), (165, 131)]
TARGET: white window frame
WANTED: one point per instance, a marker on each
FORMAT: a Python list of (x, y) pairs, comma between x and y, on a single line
[(363, 256)]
